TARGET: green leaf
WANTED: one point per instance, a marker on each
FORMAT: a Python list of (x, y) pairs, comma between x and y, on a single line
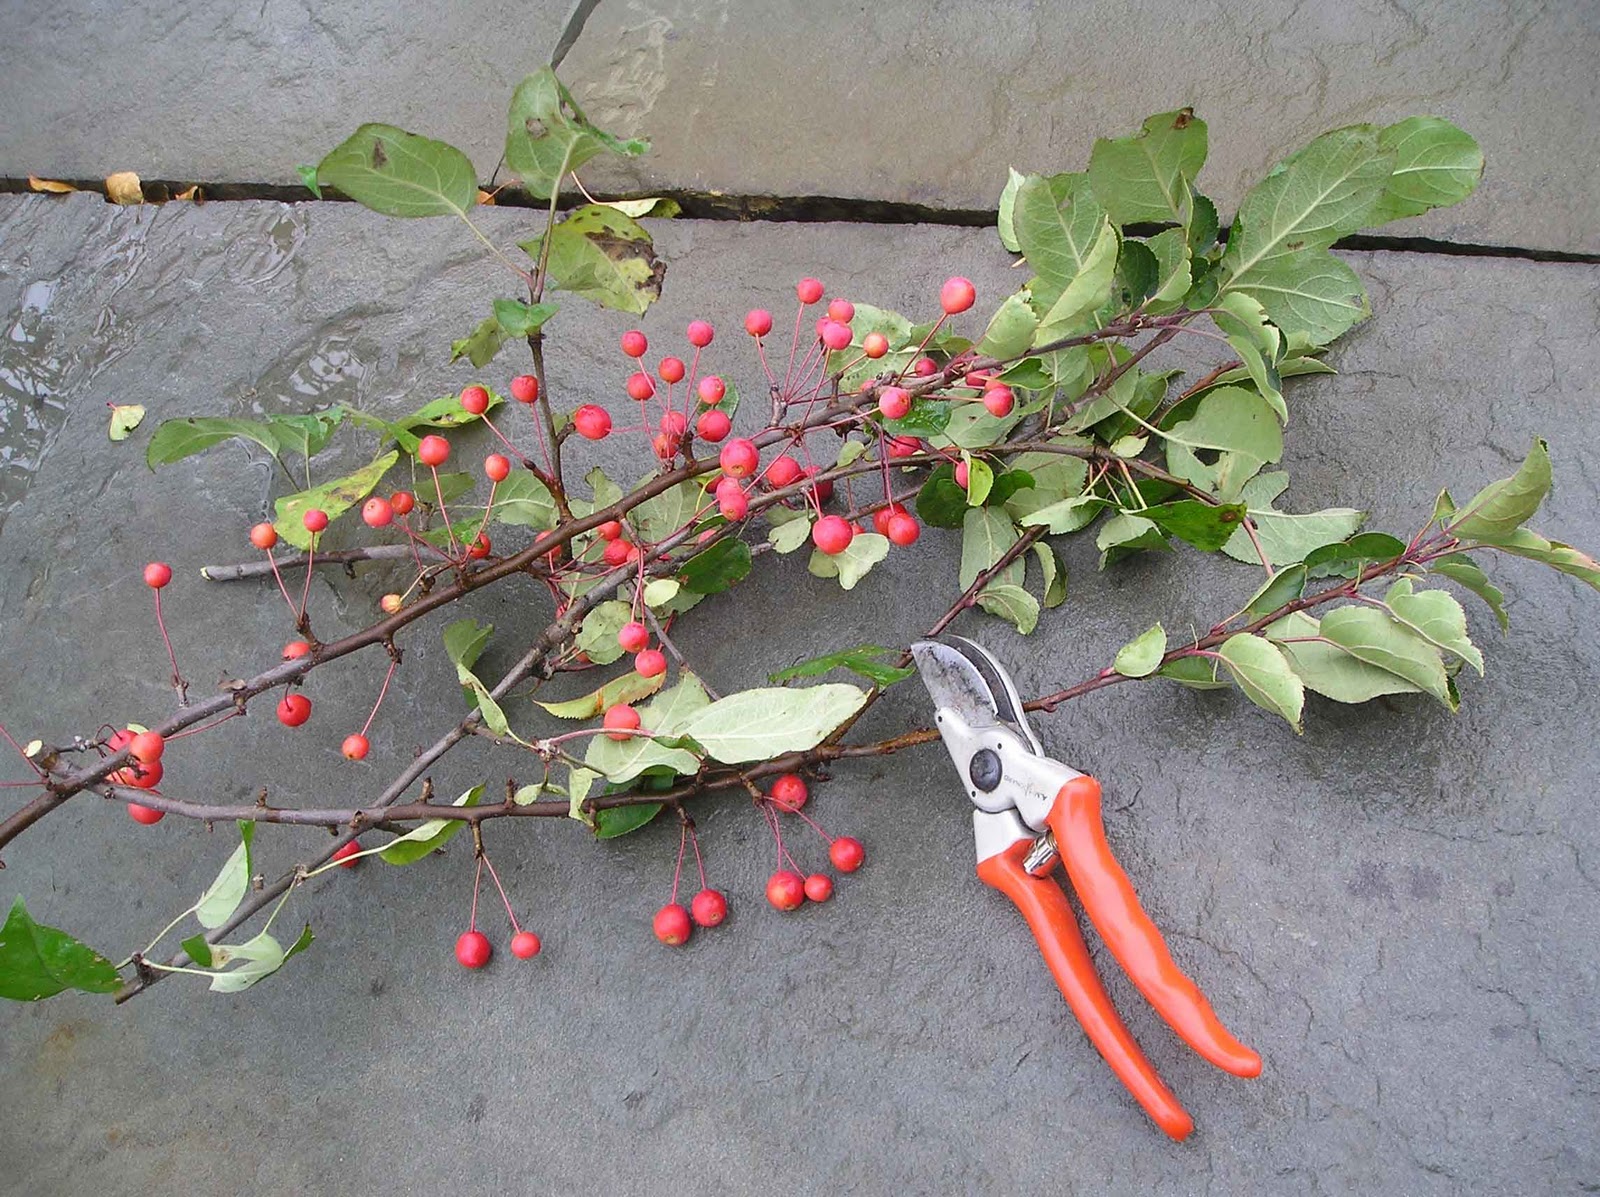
[(980, 480), (308, 176), (1263, 673), (1462, 570), (1069, 515), (1010, 330), (1012, 603), (197, 949), (547, 134), (986, 534), (597, 634), (667, 714), (629, 688), (1435, 165), (223, 895), (493, 717), (620, 820), (1502, 507), (1347, 558), (38, 961), (1124, 534), (1309, 201), (866, 660), (1286, 538), (481, 345), (1525, 542), (1310, 293), (1198, 673), (940, 502), (464, 642), (262, 956), (1206, 526), (717, 568), (523, 501), (443, 412), (1083, 293), (1436, 617), (1138, 275), (1171, 250), (755, 725), (176, 439), (1007, 483), (1061, 229), (1055, 476), (518, 319), (1232, 420), (1372, 636), (1055, 575), (1008, 202), (1141, 656), (927, 417), (125, 417), (659, 517), (307, 434), (864, 551), (334, 497), (426, 838), (400, 174), (1283, 587), (604, 256), (1289, 367), (659, 592), (1330, 670), (579, 782), (789, 536), (1258, 343), (1141, 178)]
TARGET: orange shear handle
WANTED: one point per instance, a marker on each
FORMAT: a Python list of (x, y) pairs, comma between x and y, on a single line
[(1043, 904), (1108, 899)]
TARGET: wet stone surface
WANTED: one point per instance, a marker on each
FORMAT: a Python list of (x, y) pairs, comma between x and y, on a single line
[(1398, 909), (907, 101)]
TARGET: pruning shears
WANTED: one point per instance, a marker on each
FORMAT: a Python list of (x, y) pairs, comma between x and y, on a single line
[(1032, 812)]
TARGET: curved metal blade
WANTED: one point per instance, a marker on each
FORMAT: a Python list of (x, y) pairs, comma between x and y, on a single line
[(963, 675)]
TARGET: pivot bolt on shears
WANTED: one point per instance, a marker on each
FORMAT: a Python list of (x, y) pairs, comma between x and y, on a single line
[(1033, 812)]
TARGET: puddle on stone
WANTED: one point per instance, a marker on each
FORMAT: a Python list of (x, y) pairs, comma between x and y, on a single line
[(32, 377)]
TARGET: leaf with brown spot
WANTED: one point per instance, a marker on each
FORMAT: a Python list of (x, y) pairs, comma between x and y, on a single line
[(603, 255), (123, 188), (547, 134)]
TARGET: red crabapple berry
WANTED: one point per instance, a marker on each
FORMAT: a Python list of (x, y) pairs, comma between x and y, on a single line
[(433, 450), (731, 499), (903, 529), (618, 552), (711, 390), (610, 530), (315, 520), (904, 446), (147, 747), (634, 344), (998, 400), (620, 722), (875, 345), (784, 471), (402, 501), (709, 908), (263, 535), (633, 636), (641, 386), (674, 424), (836, 336), (118, 740), (479, 548), (739, 458), (809, 290), (700, 333), (593, 423), (978, 380), (789, 792), (713, 426), (672, 925), (957, 295), (390, 603), (786, 890), (294, 709), (473, 949), (497, 466), (295, 649), (924, 367), (823, 489), (663, 446), (157, 574), (841, 310), (671, 369), (377, 512), (882, 516), (650, 663), (345, 854), (846, 853), (894, 403), (474, 400), (962, 474), (819, 887), (139, 777), (832, 534), (355, 747), (525, 945), (525, 388), (147, 815), (758, 323)]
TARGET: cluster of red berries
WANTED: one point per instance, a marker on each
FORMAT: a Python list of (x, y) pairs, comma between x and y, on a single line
[(143, 770)]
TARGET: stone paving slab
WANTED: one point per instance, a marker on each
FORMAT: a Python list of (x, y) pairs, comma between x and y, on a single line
[(1399, 909), (905, 102)]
